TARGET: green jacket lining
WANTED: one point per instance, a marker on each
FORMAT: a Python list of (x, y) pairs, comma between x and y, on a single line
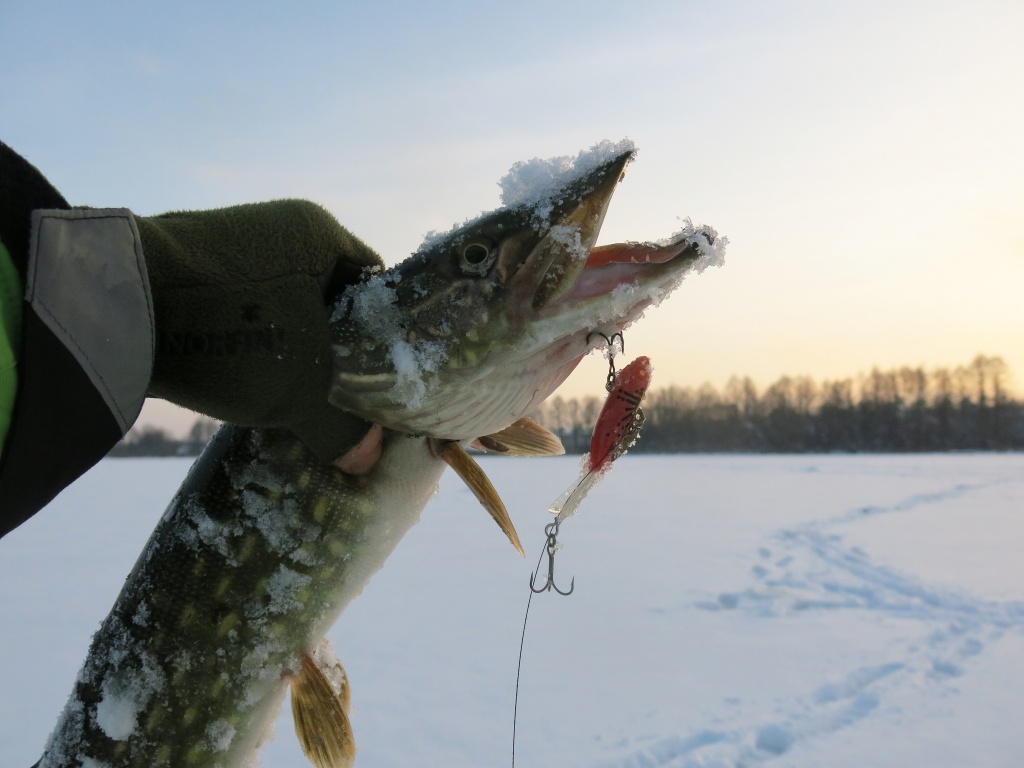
[(10, 334)]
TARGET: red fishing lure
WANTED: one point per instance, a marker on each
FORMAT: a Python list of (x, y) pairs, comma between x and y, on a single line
[(620, 420), (617, 428)]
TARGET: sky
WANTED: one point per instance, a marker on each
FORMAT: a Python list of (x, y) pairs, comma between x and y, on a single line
[(865, 159)]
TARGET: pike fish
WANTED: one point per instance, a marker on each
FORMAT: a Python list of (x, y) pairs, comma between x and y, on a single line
[(263, 546)]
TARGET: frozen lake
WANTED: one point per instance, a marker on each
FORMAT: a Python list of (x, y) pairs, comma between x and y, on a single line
[(729, 611)]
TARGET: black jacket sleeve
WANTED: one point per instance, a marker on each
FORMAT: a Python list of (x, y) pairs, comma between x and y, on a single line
[(61, 423)]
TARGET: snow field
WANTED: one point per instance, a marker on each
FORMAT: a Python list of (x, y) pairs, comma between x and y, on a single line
[(729, 611)]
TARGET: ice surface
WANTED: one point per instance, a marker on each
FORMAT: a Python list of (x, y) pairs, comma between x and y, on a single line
[(796, 611)]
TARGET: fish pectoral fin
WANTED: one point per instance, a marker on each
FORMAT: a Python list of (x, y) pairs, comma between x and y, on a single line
[(456, 457), (321, 717), (523, 438)]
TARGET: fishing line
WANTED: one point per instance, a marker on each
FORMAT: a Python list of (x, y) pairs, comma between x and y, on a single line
[(616, 421), (519, 665)]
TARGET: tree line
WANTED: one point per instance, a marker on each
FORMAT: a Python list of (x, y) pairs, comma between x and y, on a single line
[(969, 407), (153, 441)]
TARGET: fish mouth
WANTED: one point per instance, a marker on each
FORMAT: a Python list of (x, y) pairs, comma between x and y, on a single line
[(572, 221), (633, 276), (570, 282), (609, 291)]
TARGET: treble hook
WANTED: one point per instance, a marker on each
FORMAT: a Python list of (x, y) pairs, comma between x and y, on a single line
[(610, 381), (552, 546)]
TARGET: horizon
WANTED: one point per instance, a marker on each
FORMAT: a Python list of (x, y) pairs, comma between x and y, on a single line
[(176, 422), (863, 158)]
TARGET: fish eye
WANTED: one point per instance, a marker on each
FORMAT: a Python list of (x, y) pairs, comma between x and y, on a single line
[(475, 253), (476, 257)]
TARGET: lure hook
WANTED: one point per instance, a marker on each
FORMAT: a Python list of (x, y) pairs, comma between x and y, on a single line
[(610, 341), (552, 546)]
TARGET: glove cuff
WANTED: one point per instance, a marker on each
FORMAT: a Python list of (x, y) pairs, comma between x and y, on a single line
[(87, 282)]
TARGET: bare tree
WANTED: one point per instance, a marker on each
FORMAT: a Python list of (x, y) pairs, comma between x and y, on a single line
[(904, 409), (203, 430)]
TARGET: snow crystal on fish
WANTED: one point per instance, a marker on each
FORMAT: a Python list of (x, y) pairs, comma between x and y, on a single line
[(116, 715), (373, 305), (70, 724), (125, 694), (411, 362), (532, 182), (284, 588), (327, 662), (260, 673), (708, 242), (569, 237), (206, 530), (255, 473), (220, 734), (278, 522)]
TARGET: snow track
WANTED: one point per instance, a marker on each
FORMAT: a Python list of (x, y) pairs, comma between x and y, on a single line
[(816, 568)]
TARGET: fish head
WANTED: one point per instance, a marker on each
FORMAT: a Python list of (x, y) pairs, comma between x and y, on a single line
[(481, 324)]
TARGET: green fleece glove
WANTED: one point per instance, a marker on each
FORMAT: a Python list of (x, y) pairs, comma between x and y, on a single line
[(241, 322)]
